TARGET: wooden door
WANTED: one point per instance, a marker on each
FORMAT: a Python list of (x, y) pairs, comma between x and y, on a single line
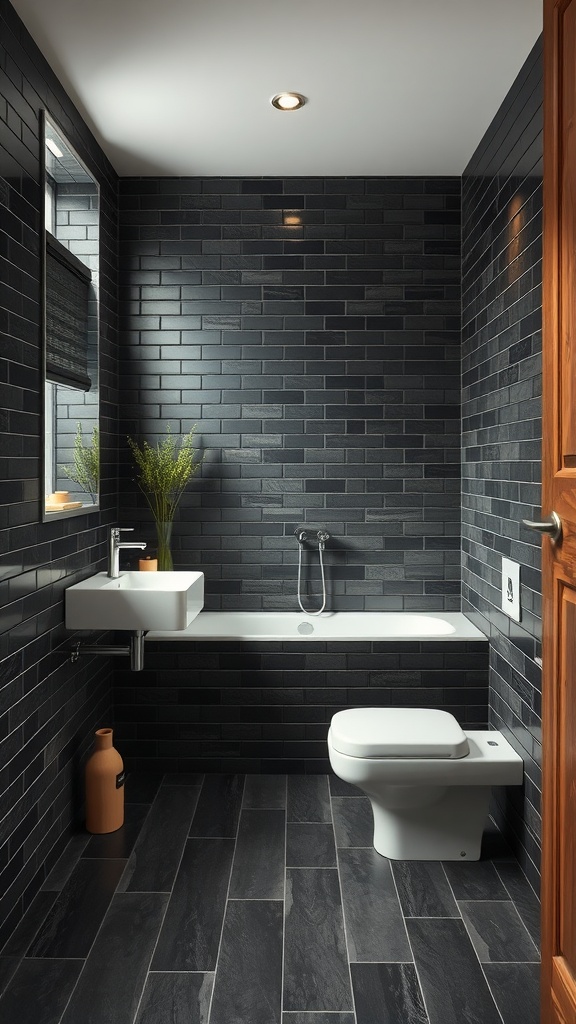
[(559, 495)]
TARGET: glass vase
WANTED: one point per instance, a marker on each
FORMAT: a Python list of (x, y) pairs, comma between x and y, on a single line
[(164, 538)]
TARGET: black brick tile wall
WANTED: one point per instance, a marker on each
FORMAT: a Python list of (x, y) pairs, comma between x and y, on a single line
[(266, 707), (48, 708), (311, 329), (501, 424)]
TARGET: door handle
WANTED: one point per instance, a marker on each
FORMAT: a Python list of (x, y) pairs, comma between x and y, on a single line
[(551, 526)]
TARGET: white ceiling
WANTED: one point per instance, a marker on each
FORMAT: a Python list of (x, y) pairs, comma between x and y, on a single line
[(183, 87)]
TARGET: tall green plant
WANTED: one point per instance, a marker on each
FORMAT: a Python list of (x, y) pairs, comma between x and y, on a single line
[(165, 471), (85, 470)]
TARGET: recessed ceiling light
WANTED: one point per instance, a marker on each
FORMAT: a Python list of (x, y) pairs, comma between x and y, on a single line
[(288, 101), (54, 149)]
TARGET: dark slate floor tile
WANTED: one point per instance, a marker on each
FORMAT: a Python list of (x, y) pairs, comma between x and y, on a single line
[(39, 991), (316, 973), (110, 986), (66, 863), (8, 967), (340, 788), (265, 791), (30, 924), (516, 989), (475, 880), (120, 843), (258, 870), (141, 787), (375, 929), (387, 994), (248, 982), (155, 858), (308, 798), (71, 925), (218, 807), (423, 889), (176, 999), (497, 933), (318, 1018), (310, 845), (191, 931), (525, 899), (353, 821), (452, 980), (183, 779)]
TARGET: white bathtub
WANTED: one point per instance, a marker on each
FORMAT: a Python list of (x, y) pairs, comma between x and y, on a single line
[(328, 626)]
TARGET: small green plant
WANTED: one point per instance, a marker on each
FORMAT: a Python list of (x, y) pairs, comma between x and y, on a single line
[(86, 468), (165, 471)]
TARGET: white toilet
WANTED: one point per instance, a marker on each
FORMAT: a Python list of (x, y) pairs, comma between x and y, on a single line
[(428, 781)]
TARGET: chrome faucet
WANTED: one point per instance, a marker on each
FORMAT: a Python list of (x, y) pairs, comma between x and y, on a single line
[(115, 545)]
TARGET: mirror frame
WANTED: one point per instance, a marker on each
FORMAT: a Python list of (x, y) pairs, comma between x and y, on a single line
[(46, 118)]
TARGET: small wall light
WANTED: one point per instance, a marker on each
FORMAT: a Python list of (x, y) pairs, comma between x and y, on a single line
[(288, 101)]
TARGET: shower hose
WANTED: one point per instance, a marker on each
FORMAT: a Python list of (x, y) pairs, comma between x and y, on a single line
[(322, 537)]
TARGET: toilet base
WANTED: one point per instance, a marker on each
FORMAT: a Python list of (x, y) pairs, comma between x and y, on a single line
[(430, 823)]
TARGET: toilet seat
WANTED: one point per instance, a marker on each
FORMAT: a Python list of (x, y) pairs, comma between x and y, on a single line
[(398, 732)]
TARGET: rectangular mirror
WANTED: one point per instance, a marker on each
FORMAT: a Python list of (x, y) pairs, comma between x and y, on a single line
[(71, 329)]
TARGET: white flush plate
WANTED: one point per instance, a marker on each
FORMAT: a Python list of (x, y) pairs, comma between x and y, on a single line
[(511, 589)]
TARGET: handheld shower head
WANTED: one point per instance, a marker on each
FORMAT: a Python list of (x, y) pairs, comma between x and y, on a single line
[(300, 535)]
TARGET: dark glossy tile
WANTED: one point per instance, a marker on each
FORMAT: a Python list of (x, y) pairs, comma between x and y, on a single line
[(191, 931), (183, 779), (120, 843), (142, 787), (74, 919), (176, 998), (308, 798), (310, 846), (497, 933), (248, 983), (452, 980), (375, 929), (525, 899), (476, 880), (218, 807), (516, 989), (353, 821), (258, 870), (340, 788), (111, 983), (39, 991), (387, 994), (318, 1018), (423, 889), (265, 791), (65, 864), (30, 924), (154, 862), (316, 973)]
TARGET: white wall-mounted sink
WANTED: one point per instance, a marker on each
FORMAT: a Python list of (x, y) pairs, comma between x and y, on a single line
[(135, 600)]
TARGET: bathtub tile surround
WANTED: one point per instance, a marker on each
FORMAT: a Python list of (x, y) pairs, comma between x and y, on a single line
[(225, 706), (321, 365), (501, 426), (392, 941)]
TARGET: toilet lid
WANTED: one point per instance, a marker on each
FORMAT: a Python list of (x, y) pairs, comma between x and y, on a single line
[(397, 732)]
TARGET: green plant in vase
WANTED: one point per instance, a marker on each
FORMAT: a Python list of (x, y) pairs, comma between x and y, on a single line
[(85, 470), (165, 471)]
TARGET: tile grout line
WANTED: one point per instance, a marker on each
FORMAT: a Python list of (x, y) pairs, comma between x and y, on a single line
[(336, 848), (416, 971), (227, 900), (167, 901)]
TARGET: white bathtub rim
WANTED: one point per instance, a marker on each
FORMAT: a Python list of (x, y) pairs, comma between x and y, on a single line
[(330, 626)]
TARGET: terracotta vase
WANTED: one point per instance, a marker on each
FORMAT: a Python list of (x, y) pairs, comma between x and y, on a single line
[(104, 786)]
